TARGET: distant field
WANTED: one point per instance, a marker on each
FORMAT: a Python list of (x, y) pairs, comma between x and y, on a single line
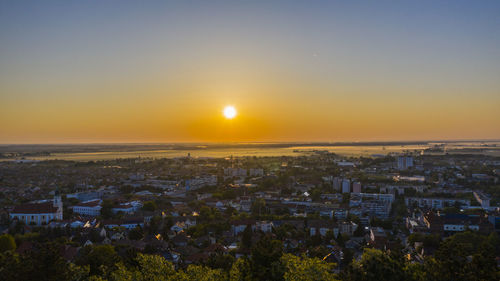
[(92, 152)]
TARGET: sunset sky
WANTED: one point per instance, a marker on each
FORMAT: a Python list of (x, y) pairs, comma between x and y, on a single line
[(163, 71)]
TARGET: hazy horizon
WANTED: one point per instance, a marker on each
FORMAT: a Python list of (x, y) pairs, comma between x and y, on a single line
[(258, 142)]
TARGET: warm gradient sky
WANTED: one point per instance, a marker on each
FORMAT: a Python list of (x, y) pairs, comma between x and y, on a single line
[(162, 71)]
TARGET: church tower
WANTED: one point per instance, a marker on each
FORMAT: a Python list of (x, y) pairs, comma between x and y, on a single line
[(58, 204)]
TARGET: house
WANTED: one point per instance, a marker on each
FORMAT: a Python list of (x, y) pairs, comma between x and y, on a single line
[(182, 223), (444, 224), (171, 256), (128, 223), (321, 227), (178, 227), (204, 240), (347, 228), (127, 208), (416, 224), (378, 238), (77, 224), (264, 226), (336, 255), (239, 226), (117, 236), (215, 248), (39, 213), (180, 240), (290, 244)]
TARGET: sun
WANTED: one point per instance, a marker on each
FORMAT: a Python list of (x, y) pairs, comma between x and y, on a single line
[(229, 112)]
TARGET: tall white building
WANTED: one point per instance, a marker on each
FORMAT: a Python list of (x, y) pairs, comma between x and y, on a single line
[(404, 162), (346, 186)]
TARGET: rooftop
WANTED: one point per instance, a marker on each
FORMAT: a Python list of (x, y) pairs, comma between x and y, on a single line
[(40, 208)]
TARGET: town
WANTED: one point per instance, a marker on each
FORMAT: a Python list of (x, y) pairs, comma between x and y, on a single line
[(216, 211)]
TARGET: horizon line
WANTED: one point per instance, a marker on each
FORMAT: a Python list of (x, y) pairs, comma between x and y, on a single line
[(256, 142)]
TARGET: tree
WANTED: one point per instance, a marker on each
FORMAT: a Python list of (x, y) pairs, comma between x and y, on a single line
[(106, 211), (329, 236), (7, 243), (10, 266), (307, 269), (136, 234), (315, 240), (100, 258), (230, 211), (465, 256), (153, 267), (156, 268), (375, 265), (258, 207), (265, 259), (149, 206), (359, 231), (220, 261), (45, 263), (246, 238), (203, 273), (429, 240), (240, 271)]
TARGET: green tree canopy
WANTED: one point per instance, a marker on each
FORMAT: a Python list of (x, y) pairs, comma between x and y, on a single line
[(7, 243), (307, 269)]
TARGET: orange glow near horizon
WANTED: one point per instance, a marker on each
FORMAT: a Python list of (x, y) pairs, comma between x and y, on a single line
[(162, 72)]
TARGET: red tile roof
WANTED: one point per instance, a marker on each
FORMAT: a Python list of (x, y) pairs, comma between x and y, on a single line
[(40, 208)]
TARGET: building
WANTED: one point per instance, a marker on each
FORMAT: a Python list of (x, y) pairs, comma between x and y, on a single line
[(400, 189), (495, 221), (90, 208), (404, 162), (373, 204), (416, 225), (356, 187), (482, 199), (199, 182), (389, 198), (346, 186), (264, 226), (238, 226), (86, 196), (436, 203), (39, 213), (256, 172), (128, 223), (446, 224), (235, 172), (127, 208), (347, 227), (337, 183), (322, 227), (378, 238)]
